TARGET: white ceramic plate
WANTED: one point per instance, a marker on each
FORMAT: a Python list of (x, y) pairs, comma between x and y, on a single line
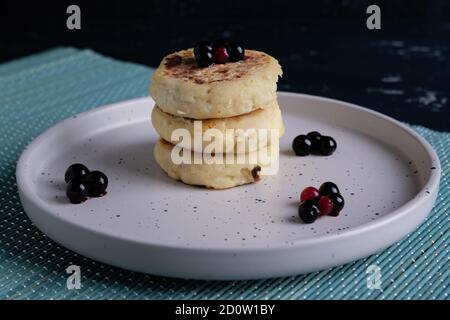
[(147, 222)]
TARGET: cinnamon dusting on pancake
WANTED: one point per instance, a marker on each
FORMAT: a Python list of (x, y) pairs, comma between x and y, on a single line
[(173, 61)]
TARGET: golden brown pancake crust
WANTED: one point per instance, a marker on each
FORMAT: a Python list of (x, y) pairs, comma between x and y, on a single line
[(182, 65)]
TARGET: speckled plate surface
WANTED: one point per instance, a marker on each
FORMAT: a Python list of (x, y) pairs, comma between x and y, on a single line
[(388, 175)]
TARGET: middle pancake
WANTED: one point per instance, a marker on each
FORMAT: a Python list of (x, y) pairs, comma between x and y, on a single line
[(229, 132)]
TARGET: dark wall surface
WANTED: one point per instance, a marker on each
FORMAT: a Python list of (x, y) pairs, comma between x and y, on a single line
[(325, 49)]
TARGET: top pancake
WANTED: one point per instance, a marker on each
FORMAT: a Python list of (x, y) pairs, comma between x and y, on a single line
[(181, 88)]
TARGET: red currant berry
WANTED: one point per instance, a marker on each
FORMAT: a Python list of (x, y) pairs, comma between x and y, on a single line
[(325, 205), (221, 54), (309, 193)]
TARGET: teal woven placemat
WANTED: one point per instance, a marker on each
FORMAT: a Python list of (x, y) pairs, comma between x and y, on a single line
[(40, 90)]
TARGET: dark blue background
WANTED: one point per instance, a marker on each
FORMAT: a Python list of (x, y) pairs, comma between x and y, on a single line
[(402, 70)]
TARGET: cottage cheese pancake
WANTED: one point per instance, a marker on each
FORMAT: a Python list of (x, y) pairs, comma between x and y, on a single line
[(250, 123), (215, 176), (182, 88)]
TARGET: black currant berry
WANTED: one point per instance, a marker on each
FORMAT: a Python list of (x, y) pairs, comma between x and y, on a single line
[(301, 145), (308, 211), (203, 52), (315, 138), (76, 190), (204, 59), (75, 170), (203, 46), (236, 51), (327, 146), (96, 183), (338, 204), (328, 188)]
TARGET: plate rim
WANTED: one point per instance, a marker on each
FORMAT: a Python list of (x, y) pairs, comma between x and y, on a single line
[(431, 185)]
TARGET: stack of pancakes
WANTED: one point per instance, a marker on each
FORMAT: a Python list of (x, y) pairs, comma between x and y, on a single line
[(236, 95)]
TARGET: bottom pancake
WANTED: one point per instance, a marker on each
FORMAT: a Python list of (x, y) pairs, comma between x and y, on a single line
[(247, 169)]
